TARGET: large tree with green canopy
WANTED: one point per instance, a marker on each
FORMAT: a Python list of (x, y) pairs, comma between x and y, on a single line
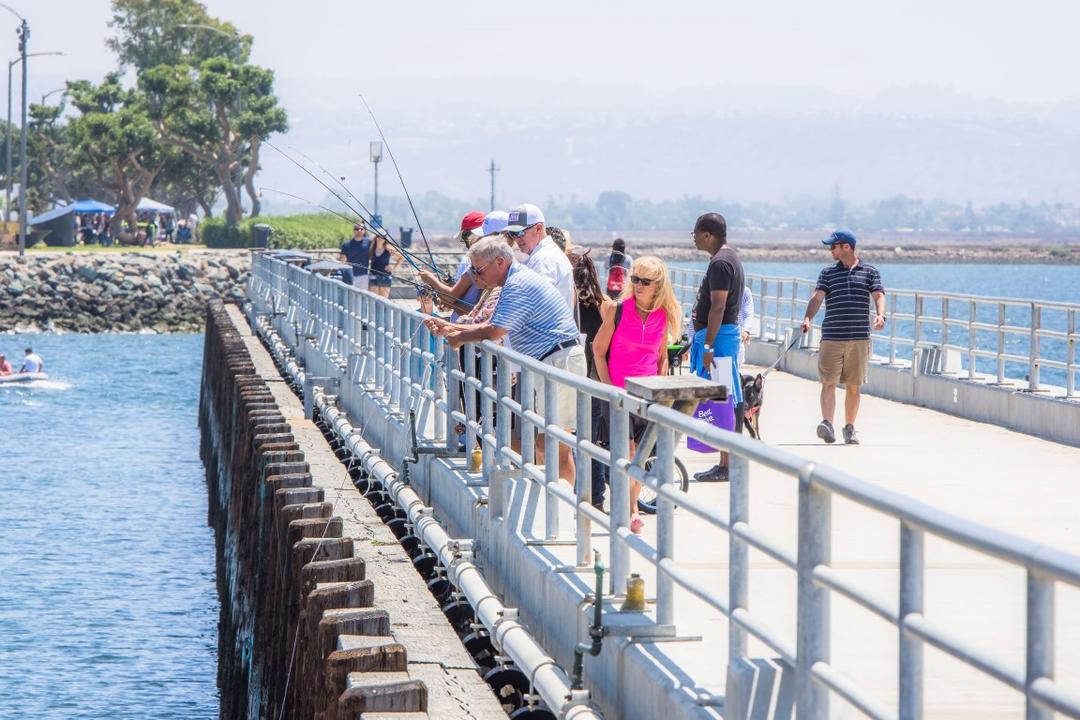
[(206, 99)]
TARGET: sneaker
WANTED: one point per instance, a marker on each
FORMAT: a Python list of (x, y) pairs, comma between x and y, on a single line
[(826, 432), (717, 473), (850, 437)]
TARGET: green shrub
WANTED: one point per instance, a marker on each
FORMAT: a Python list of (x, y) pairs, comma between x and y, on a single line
[(291, 231)]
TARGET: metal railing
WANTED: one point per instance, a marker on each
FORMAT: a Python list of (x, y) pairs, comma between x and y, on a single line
[(375, 346), (1003, 340)]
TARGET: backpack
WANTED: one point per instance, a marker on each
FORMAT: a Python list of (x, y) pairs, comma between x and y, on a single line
[(616, 278)]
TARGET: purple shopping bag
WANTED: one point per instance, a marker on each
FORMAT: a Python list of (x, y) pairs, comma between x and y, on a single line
[(716, 413)]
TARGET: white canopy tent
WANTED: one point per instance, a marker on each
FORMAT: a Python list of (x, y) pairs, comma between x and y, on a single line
[(148, 205)]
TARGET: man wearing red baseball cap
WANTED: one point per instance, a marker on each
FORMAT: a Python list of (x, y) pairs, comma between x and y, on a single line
[(472, 229)]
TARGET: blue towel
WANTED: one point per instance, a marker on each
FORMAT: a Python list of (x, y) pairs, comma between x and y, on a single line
[(726, 345)]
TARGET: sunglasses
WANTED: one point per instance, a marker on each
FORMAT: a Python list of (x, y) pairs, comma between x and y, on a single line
[(477, 270), (518, 234), (643, 282)]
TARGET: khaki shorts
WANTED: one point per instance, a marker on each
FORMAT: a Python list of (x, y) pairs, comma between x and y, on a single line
[(843, 361), (573, 360)]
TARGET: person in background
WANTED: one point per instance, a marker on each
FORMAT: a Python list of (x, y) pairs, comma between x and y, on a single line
[(532, 314), (525, 226), (616, 266), (357, 252), (846, 288), (168, 228), (32, 362), (746, 321), (632, 342), (461, 297), (383, 261), (5, 366), (561, 238), (151, 232), (716, 317)]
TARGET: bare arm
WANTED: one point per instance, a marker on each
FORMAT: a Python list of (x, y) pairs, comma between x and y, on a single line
[(602, 342), (718, 301), (475, 333), (812, 307), (879, 303)]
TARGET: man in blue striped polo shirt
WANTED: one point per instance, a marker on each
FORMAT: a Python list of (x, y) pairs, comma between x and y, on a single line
[(533, 315), (846, 288)]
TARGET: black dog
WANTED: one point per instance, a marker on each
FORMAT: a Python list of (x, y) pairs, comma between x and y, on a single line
[(753, 393)]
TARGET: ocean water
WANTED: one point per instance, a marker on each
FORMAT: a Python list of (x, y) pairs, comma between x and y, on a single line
[(108, 607)]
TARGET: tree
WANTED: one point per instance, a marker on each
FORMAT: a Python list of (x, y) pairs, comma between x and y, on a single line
[(150, 33), (219, 114), (612, 206), (115, 137), (49, 157)]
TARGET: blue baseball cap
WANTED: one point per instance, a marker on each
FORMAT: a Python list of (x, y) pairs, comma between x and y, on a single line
[(840, 236)]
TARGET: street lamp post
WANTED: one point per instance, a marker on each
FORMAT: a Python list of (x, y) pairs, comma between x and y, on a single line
[(376, 158), (49, 94), (7, 173)]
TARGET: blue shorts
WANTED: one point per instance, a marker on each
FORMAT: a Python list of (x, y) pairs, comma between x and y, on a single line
[(726, 344)]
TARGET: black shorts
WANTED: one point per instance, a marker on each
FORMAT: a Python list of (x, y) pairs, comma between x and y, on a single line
[(602, 423)]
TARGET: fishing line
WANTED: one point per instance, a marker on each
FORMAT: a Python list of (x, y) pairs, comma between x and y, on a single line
[(400, 178)]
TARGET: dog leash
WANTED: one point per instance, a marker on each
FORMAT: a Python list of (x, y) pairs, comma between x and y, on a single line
[(793, 343)]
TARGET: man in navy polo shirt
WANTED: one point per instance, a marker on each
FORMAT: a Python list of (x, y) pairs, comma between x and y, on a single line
[(846, 288)]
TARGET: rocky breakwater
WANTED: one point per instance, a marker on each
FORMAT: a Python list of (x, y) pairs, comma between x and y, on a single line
[(117, 292)]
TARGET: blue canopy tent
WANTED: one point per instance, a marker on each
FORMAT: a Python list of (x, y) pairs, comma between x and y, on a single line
[(57, 227)]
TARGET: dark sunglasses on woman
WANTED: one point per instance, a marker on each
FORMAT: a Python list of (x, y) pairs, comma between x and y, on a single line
[(643, 282)]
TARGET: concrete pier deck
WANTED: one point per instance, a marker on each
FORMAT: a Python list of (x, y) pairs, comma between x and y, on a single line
[(1007, 480)]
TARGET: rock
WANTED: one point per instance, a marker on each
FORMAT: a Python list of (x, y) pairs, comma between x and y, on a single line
[(87, 273)]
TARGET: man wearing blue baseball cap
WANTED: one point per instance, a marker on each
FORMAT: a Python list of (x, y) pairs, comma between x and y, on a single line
[(846, 289)]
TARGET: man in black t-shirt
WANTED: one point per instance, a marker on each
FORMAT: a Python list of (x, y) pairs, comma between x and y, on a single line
[(357, 252), (715, 316)]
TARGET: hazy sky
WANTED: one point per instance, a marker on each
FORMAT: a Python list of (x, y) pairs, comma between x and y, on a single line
[(658, 99)]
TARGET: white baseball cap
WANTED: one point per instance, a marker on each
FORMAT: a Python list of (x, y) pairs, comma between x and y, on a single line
[(523, 216)]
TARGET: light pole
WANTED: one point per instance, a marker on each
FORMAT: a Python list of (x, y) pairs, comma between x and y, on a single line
[(376, 158), (47, 95), (492, 169), (7, 173)]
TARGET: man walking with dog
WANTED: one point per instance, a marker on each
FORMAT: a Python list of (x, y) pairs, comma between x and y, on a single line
[(846, 288)]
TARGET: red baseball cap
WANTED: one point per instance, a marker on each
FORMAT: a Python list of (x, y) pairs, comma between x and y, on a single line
[(472, 221)]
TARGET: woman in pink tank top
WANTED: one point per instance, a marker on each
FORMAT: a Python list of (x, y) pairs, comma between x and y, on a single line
[(636, 346)]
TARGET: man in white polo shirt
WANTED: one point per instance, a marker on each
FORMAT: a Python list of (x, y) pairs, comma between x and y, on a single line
[(525, 227)]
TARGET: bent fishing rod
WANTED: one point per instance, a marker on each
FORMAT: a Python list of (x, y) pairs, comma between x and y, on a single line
[(419, 286), (354, 220), (397, 170), (381, 232)]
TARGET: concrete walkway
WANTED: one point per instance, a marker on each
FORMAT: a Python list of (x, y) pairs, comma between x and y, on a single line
[(1004, 479)]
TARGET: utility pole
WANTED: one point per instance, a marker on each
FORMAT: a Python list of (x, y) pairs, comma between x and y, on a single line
[(492, 169)]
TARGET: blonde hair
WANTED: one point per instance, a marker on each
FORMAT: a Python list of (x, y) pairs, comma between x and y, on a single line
[(654, 269)]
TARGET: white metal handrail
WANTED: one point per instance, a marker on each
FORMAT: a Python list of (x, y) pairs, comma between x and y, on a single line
[(1018, 346), (376, 346)]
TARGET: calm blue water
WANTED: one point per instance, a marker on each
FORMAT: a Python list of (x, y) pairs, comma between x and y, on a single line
[(108, 607)]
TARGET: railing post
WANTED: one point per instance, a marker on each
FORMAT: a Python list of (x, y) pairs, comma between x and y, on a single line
[(944, 323), (663, 468), (450, 362), (1040, 639), (619, 445), (776, 309), (405, 364), (497, 484), (760, 310), (812, 700), (796, 319), (1001, 345), (1033, 348), (527, 397), (892, 330), (973, 336), (1070, 356), (470, 404), (917, 337), (583, 479), (438, 381), (738, 553), (487, 408), (912, 574), (551, 459)]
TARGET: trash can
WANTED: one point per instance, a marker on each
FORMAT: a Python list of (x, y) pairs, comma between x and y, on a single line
[(260, 235), (405, 235)]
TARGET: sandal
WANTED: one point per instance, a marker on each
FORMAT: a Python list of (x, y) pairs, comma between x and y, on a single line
[(636, 524)]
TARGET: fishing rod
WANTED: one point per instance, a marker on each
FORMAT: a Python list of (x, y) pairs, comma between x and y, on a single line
[(397, 170), (369, 223), (343, 217), (420, 286)]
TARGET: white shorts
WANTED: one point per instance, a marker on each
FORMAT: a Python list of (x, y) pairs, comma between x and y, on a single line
[(361, 281), (571, 359)]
